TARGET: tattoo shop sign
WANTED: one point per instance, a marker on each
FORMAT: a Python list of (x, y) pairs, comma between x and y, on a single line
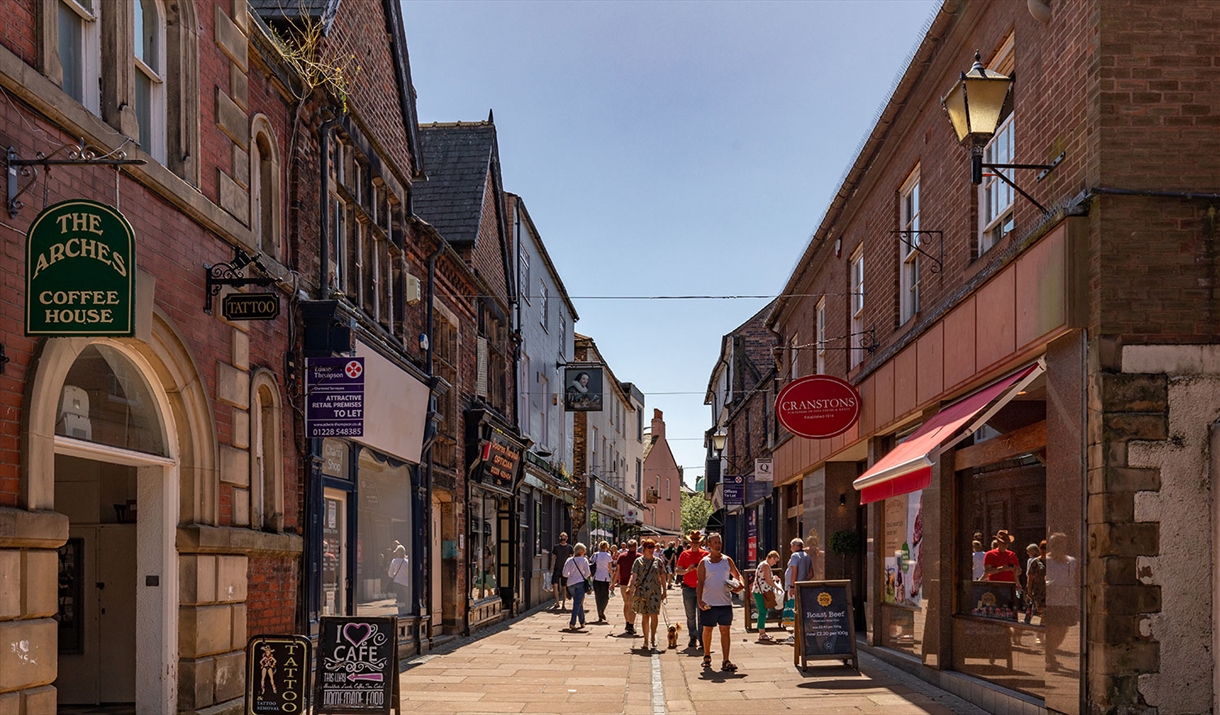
[(80, 272), (277, 675)]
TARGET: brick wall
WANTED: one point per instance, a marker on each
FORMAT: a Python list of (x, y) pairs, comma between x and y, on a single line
[(271, 599)]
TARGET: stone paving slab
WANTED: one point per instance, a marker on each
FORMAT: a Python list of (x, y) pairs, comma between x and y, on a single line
[(533, 665)]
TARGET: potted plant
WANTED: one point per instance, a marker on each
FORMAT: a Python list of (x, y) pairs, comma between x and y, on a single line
[(844, 543)]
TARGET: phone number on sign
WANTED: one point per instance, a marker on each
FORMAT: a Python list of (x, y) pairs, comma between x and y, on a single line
[(345, 431)]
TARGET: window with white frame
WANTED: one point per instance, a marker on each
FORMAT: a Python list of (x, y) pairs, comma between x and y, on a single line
[(821, 335), (856, 269), (545, 308), (793, 346), (149, 50), (908, 246), (996, 197), (525, 274), (266, 480), (79, 30)]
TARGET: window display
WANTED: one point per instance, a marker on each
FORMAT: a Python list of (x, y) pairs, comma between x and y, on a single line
[(484, 545), (383, 561)]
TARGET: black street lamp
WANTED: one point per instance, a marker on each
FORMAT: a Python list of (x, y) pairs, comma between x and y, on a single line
[(975, 106)]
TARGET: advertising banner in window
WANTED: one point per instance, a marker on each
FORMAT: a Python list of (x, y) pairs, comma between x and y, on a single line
[(903, 550), (80, 272), (583, 391)]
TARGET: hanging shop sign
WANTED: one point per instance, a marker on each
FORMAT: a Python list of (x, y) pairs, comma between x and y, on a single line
[(501, 460), (357, 665), (80, 272), (817, 406), (825, 623), (734, 491), (250, 306), (334, 397), (764, 469), (277, 675), (584, 389)]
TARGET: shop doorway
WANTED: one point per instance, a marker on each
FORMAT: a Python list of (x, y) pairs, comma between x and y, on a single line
[(435, 608), (116, 481), (335, 581)]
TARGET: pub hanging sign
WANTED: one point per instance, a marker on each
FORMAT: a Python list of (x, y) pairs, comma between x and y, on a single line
[(80, 272)]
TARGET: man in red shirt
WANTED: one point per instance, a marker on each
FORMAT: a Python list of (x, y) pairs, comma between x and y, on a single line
[(688, 569), (625, 561), (1000, 564)]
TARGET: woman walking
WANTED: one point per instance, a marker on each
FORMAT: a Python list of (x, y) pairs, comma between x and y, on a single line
[(764, 583), (719, 579), (603, 571), (575, 571), (647, 588)]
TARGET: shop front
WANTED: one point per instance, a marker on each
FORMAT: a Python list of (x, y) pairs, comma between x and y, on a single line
[(492, 519), (543, 503), (612, 516), (370, 538)]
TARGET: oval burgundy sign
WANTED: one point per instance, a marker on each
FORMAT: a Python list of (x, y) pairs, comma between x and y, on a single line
[(817, 406)]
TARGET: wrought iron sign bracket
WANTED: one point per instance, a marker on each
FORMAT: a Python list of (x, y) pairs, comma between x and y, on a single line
[(23, 173), (4, 359), (915, 246), (230, 274)]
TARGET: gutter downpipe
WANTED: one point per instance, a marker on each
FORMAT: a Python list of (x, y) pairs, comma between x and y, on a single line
[(313, 505), (427, 460)]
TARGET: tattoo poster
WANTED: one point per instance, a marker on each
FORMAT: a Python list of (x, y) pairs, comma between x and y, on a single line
[(357, 664), (277, 675)]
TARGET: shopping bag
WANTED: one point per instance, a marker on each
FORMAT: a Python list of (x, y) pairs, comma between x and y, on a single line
[(546, 581), (789, 618)]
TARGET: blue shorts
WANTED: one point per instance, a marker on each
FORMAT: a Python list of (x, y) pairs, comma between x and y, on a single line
[(716, 616)]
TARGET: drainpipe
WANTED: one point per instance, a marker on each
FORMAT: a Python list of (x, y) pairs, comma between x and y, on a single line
[(427, 457), (313, 474)]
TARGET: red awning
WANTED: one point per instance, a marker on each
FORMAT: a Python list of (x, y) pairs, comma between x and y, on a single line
[(908, 467)]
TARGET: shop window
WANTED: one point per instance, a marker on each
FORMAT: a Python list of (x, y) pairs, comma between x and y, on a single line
[(908, 245), (484, 545), (148, 39), (997, 198), (857, 306), (544, 312), (903, 613), (105, 400), (334, 553), (383, 523), (267, 464), (265, 189), (78, 25), (525, 274), (793, 346)]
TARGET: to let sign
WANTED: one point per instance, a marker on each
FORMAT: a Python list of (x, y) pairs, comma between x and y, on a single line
[(250, 306), (817, 407), (734, 491), (80, 272), (334, 397)]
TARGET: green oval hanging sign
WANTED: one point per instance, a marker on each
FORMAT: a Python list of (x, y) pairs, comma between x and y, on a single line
[(80, 268)]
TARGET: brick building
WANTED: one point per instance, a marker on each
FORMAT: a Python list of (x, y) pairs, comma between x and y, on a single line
[(741, 393), (661, 483), (1042, 364), (465, 205), (161, 463)]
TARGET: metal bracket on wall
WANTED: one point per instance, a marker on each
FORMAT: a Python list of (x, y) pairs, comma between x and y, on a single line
[(4, 359), (78, 154), (230, 274), (917, 245)]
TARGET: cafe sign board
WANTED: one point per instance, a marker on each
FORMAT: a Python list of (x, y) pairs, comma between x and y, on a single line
[(357, 665), (80, 272)]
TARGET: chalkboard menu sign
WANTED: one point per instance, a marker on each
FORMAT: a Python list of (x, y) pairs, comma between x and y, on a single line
[(277, 675), (357, 665), (825, 623)]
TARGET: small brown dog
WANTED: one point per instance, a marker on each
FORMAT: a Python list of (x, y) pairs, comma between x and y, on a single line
[(673, 635)]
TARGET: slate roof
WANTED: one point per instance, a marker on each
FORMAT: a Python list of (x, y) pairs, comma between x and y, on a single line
[(458, 157)]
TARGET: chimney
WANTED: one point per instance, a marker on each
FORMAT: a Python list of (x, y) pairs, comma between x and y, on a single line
[(658, 424)]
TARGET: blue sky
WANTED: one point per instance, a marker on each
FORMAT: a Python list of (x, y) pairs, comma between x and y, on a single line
[(667, 148)]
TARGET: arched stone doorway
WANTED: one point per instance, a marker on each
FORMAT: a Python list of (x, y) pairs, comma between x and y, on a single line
[(117, 438)]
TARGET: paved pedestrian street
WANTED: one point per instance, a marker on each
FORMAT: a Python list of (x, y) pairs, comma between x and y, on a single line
[(533, 665)]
